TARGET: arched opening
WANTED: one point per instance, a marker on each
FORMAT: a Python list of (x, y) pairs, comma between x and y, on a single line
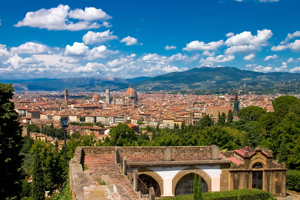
[(145, 180), (257, 176), (186, 184)]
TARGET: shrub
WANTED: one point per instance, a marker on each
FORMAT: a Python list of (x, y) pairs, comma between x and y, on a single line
[(245, 194), (293, 180)]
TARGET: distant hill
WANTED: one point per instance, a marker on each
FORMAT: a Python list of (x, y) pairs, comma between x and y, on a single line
[(137, 79), (221, 79), (73, 84)]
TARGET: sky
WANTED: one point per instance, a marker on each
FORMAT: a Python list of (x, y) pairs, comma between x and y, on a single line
[(133, 38)]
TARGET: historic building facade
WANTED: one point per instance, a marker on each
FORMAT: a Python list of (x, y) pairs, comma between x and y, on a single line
[(170, 171)]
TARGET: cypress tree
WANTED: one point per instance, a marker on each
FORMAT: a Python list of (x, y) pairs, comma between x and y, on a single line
[(10, 145), (283, 151), (199, 190), (38, 192), (195, 188), (230, 117)]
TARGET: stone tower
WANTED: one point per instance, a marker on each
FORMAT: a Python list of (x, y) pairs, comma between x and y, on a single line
[(107, 96), (66, 95), (236, 105)]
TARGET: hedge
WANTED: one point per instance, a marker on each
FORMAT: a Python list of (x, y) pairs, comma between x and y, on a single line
[(293, 180), (245, 194)]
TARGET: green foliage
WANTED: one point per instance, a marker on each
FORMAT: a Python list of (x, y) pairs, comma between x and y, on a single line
[(251, 113), (283, 151), (10, 145), (230, 117), (245, 194), (121, 135), (195, 188), (64, 194), (82, 118), (38, 186), (199, 189), (293, 180), (26, 188), (33, 128), (286, 103), (205, 122), (87, 124), (53, 132)]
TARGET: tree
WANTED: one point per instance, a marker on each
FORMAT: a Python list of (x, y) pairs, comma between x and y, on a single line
[(38, 192), (205, 121), (286, 103), (199, 189), (195, 188), (283, 151), (252, 113), (33, 128), (10, 145), (230, 117)]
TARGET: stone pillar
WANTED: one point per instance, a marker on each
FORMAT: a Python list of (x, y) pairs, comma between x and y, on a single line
[(215, 153), (135, 180), (124, 166), (151, 193), (167, 154)]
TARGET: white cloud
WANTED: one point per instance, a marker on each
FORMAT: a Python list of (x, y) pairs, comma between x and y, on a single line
[(293, 46), (30, 48), (196, 45), (249, 57), (229, 34), (58, 18), (207, 53), (217, 59), (246, 38), (98, 37), (78, 49), (129, 40), (282, 68), (290, 60), (271, 57), (99, 52), (169, 47), (251, 65), (262, 69), (89, 14), (0, 22), (90, 67), (291, 36), (295, 69), (240, 48), (3, 51), (17, 62)]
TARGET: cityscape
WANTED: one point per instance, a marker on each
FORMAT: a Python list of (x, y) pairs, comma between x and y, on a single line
[(145, 100)]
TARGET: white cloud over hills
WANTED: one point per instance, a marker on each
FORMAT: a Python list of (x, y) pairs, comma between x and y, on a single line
[(60, 18)]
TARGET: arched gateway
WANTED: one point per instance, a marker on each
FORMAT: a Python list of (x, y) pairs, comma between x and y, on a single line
[(186, 184), (145, 182)]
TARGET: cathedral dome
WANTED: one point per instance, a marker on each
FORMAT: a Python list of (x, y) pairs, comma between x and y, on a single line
[(95, 97), (130, 91)]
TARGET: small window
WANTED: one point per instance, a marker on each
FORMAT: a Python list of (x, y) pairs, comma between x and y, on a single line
[(258, 166)]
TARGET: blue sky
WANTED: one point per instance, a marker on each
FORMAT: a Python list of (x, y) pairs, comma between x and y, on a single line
[(53, 39)]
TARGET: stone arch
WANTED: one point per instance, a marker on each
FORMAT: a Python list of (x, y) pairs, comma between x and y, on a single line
[(190, 170), (258, 159), (153, 175)]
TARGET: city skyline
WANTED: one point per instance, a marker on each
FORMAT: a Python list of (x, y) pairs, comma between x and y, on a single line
[(60, 39)]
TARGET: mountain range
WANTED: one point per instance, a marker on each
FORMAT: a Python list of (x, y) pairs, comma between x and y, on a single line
[(204, 78)]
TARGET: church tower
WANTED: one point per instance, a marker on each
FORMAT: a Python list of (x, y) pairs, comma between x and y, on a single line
[(66, 95), (107, 96)]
